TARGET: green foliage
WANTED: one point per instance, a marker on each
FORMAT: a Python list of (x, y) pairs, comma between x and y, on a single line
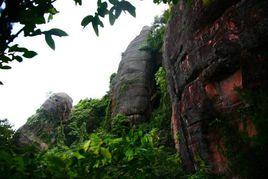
[(85, 117), (161, 116), (6, 133), (29, 14), (111, 8), (133, 153), (121, 151), (155, 39), (15, 162)]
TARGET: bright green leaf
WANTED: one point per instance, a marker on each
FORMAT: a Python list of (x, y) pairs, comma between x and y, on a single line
[(78, 155), (106, 153), (86, 145)]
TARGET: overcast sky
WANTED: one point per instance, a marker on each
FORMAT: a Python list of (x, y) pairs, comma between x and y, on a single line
[(81, 64)]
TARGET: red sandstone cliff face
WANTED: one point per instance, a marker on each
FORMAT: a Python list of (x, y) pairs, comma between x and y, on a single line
[(210, 50)]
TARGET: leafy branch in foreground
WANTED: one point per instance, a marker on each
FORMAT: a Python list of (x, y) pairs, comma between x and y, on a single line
[(29, 14)]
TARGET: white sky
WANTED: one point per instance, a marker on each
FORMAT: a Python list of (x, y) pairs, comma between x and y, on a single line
[(81, 64)]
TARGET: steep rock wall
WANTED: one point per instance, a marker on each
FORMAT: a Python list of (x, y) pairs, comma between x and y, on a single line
[(211, 49), (133, 86)]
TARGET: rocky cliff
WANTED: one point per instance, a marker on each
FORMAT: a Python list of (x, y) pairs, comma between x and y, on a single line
[(133, 87), (215, 57), (42, 128), (211, 49)]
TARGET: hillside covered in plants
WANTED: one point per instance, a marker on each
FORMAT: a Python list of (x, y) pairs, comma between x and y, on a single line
[(189, 100)]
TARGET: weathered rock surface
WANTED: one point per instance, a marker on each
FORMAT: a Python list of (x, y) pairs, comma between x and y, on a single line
[(134, 84), (210, 49), (42, 128)]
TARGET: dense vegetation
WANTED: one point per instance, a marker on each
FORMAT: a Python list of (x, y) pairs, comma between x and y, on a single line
[(89, 148)]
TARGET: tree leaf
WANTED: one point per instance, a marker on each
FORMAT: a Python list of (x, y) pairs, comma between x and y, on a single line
[(79, 2), (78, 155), (5, 67), (113, 1), (118, 11), (106, 153), (16, 48), (57, 32), (29, 54), (50, 17), (18, 58), (87, 20), (127, 6), (102, 9), (50, 42), (95, 26), (5, 59), (111, 18), (86, 145)]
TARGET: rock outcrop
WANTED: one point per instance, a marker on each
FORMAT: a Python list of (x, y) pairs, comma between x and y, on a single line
[(133, 85), (42, 128), (210, 50)]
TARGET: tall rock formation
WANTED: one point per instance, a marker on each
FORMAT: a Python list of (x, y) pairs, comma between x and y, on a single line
[(211, 48), (133, 86), (43, 127)]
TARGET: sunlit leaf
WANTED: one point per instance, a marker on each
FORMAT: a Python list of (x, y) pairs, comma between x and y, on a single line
[(106, 153), (78, 155), (86, 145)]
